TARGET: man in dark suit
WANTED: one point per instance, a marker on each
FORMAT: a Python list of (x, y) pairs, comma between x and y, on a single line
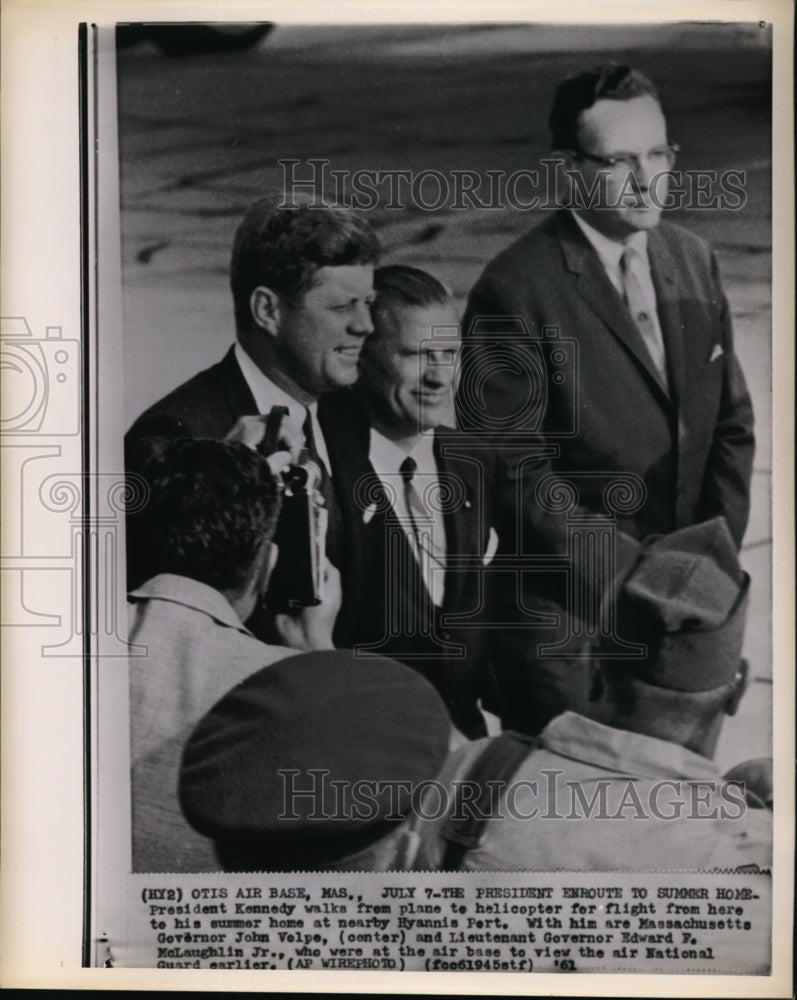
[(424, 500), (301, 282), (601, 341)]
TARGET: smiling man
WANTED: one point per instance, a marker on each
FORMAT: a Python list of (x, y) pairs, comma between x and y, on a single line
[(602, 341), (302, 286), (424, 502)]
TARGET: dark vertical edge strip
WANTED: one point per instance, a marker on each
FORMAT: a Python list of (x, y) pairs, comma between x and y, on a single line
[(85, 146)]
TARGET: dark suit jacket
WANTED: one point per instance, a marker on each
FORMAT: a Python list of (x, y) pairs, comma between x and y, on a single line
[(386, 607), (596, 398), (206, 406), (209, 404)]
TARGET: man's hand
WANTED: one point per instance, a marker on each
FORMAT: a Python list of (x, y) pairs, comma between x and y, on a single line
[(288, 439), (758, 781), (311, 628)]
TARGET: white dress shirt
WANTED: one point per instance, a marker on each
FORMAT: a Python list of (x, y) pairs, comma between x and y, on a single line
[(386, 459), (268, 394), (610, 253)]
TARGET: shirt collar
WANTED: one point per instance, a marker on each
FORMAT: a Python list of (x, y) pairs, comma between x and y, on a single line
[(610, 251), (579, 738), (386, 456), (266, 392), (192, 594)]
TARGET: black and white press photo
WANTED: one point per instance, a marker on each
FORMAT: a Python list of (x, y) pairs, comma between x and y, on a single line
[(433, 622)]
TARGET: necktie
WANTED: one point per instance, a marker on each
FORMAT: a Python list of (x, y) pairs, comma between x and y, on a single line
[(411, 498), (425, 549), (642, 312), (312, 452), (309, 437), (324, 488)]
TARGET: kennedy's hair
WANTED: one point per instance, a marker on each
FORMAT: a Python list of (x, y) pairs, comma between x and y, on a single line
[(211, 507), (613, 82), (283, 248)]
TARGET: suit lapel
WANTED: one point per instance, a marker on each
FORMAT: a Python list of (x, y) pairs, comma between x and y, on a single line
[(346, 434), (368, 522), (345, 430), (462, 520), (664, 270), (593, 285)]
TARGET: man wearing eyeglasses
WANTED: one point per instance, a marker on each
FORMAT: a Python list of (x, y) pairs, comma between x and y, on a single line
[(616, 360)]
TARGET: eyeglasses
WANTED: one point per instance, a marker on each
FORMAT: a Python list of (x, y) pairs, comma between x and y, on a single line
[(659, 158)]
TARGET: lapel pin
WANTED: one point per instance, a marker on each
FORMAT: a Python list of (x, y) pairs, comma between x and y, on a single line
[(370, 510)]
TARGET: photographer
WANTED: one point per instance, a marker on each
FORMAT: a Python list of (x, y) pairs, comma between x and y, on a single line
[(210, 519)]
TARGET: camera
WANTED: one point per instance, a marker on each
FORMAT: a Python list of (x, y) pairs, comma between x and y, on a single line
[(507, 380), (297, 580), (41, 381)]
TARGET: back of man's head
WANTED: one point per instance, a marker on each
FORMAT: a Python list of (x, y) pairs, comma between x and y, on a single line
[(314, 762), (282, 248), (212, 507), (613, 81), (689, 718), (683, 602)]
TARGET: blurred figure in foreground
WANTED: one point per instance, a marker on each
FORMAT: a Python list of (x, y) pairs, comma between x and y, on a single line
[(314, 763), (211, 516), (630, 784)]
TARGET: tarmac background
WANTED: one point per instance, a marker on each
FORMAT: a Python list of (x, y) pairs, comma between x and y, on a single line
[(200, 136)]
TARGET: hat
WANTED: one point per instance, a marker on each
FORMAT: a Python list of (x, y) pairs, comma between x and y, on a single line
[(311, 759), (684, 596)]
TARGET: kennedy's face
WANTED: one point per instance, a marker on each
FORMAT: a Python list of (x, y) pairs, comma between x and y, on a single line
[(634, 129), (320, 336), (408, 367)]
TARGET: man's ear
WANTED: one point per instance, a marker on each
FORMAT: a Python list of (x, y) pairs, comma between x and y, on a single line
[(265, 564), (738, 689), (265, 309)]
